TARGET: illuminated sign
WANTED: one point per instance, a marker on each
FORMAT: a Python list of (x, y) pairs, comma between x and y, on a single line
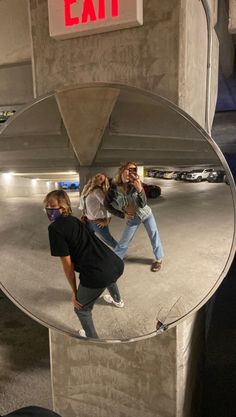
[(72, 18)]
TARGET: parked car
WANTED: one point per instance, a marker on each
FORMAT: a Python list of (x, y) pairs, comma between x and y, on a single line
[(73, 186), (152, 191), (159, 174), (168, 175), (4, 115), (151, 172), (175, 174), (198, 175), (181, 175), (216, 176)]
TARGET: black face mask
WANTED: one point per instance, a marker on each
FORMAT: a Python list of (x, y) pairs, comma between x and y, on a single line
[(53, 213)]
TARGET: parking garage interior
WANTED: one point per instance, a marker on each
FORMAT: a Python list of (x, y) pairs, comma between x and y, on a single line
[(42, 146)]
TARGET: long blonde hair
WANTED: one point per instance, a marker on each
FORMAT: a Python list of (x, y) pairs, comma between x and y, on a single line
[(93, 183), (118, 177)]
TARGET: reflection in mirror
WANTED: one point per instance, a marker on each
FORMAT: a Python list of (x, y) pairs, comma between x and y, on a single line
[(69, 137)]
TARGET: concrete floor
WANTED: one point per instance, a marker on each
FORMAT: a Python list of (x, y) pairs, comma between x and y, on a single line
[(196, 223)]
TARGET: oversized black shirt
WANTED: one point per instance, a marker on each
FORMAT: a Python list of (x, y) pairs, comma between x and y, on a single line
[(97, 264)]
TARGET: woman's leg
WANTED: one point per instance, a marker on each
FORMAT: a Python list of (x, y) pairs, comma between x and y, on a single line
[(87, 297), (151, 228), (114, 296), (127, 236), (114, 292), (105, 234)]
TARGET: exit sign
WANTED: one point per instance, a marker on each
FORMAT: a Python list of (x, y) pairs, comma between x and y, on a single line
[(72, 18)]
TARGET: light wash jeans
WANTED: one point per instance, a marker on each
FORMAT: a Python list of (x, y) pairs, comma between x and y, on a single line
[(128, 234), (87, 297), (104, 232)]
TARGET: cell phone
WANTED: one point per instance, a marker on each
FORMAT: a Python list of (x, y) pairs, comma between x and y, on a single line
[(134, 174), (133, 171)]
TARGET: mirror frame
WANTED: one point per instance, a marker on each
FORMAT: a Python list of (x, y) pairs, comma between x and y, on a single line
[(165, 102)]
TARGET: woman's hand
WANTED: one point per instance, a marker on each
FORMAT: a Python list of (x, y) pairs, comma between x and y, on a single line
[(102, 223), (129, 215), (135, 181), (75, 302)]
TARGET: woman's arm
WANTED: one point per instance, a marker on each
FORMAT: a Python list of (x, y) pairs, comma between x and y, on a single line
[(141, 199), (108, 200), (141, 196), (69, 271)]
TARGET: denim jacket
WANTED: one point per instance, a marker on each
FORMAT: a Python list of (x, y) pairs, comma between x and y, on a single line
[(116, 202)]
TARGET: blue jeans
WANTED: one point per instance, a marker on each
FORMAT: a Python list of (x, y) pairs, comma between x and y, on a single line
[(104, 232), (128, 234), (87, 297)]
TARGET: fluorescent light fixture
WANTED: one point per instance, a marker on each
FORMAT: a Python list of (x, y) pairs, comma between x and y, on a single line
[(7, 177), (9, 173)]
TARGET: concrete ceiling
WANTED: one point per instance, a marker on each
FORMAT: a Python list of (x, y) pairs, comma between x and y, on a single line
[(34, 141), (99, 126)]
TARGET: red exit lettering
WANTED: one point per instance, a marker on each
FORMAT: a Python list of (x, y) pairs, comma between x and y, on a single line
[(89, 13)]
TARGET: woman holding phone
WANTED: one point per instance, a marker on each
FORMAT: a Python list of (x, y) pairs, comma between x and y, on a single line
[(126, 199)]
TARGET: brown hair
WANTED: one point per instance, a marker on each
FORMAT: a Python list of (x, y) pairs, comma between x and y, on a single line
[(62, 198), (117, 179)]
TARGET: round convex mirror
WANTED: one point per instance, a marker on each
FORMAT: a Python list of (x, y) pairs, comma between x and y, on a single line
[(75, 133)]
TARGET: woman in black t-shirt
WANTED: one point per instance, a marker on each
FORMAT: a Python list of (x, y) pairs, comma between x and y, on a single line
[(83, 252)]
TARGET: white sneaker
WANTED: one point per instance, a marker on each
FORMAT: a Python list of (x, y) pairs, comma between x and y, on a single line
[(82, 333), (108, 298)]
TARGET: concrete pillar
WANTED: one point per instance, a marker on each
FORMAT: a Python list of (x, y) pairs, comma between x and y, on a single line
[(193, 76), (125, 56), (164, 58), (16, 84), (167, 55), (94, 108), (15, 37), (153, 378), (232, 16), (137, 379)]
